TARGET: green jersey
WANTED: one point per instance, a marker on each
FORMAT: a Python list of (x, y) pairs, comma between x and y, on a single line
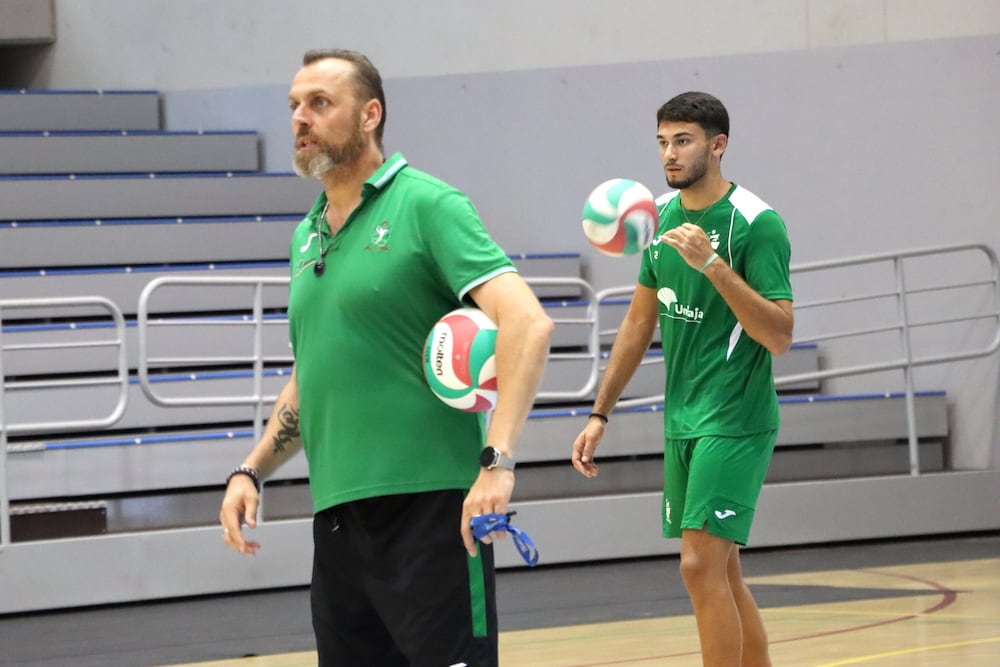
[(409, 253), (718, 380)]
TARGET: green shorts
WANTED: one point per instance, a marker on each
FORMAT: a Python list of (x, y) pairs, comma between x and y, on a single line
[(713, 482)]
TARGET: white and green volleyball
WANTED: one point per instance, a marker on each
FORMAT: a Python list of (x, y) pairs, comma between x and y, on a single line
[(460, 361), (620, 217)]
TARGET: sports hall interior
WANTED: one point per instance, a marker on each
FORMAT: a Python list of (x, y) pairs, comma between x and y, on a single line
[(146, 206)]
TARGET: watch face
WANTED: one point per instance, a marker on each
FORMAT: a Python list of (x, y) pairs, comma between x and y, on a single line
[(488, 457)]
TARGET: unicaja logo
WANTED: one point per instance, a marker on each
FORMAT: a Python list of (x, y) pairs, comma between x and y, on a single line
[(688, 313), (676, 310), (667, 297)]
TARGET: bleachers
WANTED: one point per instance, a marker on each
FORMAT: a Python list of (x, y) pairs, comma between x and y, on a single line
[(814, 432), (33, 404), (148, 436), (97, 199), (158, 467)]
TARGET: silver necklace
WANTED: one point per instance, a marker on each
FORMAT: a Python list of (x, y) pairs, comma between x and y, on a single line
[(687, 214)]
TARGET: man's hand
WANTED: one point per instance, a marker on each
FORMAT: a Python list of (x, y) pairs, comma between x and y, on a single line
[(584, 446), (691, 242), (489, 495), (239, 506)]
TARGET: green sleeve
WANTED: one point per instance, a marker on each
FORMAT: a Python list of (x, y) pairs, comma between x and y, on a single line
[(457, 241), (768, 257)]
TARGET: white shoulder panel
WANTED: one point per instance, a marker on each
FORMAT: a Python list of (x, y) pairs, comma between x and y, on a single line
[(666, 197), (748, 204)]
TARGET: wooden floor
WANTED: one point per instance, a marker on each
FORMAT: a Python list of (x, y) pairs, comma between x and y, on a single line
[(952, 618), (889, 603), (944, 614)]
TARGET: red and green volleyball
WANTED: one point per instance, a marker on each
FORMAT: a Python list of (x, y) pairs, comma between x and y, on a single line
[(620, 217), (460, 361)]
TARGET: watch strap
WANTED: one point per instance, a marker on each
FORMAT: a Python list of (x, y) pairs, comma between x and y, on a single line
[(499, 459)]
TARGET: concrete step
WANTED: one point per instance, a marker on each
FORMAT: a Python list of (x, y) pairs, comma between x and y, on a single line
[(27, 110), (155, 195), (127, 152)]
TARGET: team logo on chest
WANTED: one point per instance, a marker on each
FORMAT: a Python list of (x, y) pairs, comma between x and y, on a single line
[(677, 310), (379, 239)]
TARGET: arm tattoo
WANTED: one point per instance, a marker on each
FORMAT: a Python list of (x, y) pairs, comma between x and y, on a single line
[(289, 429)]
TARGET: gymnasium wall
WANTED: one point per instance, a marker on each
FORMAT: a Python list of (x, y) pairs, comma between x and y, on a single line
[(870, 125)]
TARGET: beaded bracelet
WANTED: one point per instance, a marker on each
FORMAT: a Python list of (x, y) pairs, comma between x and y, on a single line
[(249, 472)]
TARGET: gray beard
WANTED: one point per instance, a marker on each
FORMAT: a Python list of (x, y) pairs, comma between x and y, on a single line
[(330, 157), (315, 167)]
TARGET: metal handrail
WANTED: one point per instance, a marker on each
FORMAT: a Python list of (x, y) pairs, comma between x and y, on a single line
[(592, 353), (907, 362), (258, 400), (121, 379), (143, 323)]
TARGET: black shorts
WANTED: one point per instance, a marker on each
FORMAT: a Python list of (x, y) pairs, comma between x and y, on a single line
[(392, 585)]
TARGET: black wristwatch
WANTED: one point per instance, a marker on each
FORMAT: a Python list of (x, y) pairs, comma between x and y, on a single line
[(491, 458)]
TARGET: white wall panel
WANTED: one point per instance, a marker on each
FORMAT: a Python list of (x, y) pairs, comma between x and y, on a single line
[(234, 43)]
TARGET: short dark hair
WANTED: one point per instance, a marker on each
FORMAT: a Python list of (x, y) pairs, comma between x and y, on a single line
[(368, 81), (700, 108)]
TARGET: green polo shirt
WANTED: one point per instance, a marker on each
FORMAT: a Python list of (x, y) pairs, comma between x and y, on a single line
[(719, 380), (409, 253)]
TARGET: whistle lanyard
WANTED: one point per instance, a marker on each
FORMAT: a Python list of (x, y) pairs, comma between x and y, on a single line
[(485, 524)]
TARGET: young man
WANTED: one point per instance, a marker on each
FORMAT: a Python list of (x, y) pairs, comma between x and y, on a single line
[(717, 280), (395, 474)]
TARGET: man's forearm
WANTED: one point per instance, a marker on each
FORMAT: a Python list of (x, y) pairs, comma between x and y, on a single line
[(521, 353), (767, 322), (281, 438)]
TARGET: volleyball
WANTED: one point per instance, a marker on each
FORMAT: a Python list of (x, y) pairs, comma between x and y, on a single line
[(460, 362), (620, 217)]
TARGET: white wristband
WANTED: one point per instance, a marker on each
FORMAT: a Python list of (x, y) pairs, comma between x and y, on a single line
[(708, 262)]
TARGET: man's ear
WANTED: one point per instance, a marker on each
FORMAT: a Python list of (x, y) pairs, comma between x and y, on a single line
[(371, 114), (719, 144)]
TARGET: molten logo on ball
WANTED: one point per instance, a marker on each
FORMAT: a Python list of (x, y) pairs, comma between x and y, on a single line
[(620, 217), (459, 361)]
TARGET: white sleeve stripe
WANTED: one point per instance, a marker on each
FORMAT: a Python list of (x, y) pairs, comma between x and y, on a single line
[(734, 337), (486, 278)]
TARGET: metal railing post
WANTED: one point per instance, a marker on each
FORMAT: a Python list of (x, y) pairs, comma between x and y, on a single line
[(4, 496), (258, 382), (258, 361), (908, 384)]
